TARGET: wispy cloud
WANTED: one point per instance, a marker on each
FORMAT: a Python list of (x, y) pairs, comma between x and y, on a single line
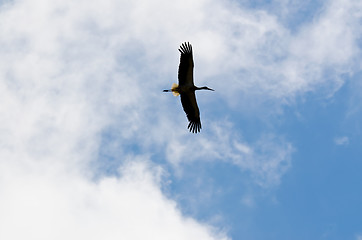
[(341, 140), (266, 160), (280, 64), (248, 200)]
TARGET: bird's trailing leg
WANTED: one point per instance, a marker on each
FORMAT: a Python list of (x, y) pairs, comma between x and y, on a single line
[(173, 89)]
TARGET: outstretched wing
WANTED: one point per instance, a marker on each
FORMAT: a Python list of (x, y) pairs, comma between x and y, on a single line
[(191, 109), (186, 67)]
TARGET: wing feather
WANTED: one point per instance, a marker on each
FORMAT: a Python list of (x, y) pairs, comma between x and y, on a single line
[(191, 109), (186, 67)]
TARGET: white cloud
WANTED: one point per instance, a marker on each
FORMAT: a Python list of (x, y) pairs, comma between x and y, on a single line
[(56, 205), (63, 84), (341, 140), (73, 71)]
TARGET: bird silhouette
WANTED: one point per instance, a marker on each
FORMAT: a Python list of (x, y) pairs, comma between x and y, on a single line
[(186, 88)]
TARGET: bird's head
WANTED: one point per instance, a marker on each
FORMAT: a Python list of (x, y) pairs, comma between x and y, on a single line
[(206, 88)]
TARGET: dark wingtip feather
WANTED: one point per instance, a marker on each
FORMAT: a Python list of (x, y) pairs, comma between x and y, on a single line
[(194, 127), (185, 48)]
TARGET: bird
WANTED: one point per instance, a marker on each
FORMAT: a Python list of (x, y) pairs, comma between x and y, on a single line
[(186, 88)]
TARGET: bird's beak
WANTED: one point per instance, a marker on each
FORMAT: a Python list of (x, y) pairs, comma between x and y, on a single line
[(211, 89)]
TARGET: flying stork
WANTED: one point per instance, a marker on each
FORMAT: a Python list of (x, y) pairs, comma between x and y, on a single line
[(186, 88)]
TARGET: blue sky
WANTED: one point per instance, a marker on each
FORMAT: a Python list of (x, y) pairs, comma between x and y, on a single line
[(91, 148)]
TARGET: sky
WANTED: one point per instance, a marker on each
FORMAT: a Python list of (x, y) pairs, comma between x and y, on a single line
[(91, 148)]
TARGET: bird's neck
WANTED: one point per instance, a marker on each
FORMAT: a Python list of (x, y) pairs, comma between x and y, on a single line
[(201, 88)]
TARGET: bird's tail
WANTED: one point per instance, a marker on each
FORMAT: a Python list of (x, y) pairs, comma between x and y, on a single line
[(173, 89)]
